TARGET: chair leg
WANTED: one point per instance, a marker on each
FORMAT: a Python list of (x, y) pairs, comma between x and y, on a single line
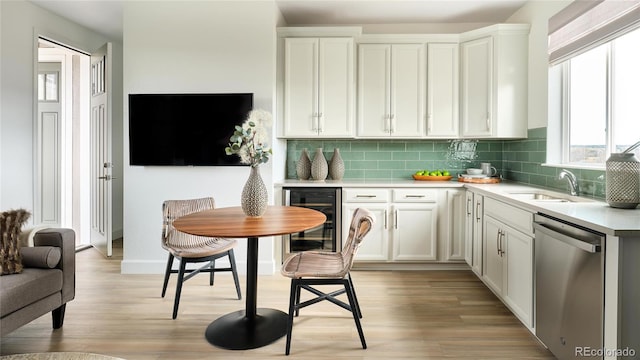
[(298, 291), (167, 272), (293, 295), (176, 302), (352, 302), (212, 266), (355, 297), (232, 261)]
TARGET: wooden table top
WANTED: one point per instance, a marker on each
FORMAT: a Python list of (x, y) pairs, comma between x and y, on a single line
[(231, 222)]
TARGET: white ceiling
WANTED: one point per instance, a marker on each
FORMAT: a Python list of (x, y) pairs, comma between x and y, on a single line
[(105, 16)]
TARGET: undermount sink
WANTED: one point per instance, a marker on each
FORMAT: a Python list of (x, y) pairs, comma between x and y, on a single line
[(539, 196)]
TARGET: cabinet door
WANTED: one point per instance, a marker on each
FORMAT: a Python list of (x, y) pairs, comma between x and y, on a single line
[(375, 246), (492, 259), (374, 84), (477, 85), (408, 83), (518, 287), (301, 87), (468, 228), (336, 88), (442, 90), (454, 233), (414, 231), (478, 234)]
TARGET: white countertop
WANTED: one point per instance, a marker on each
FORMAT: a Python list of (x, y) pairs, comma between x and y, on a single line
[(590, 213)]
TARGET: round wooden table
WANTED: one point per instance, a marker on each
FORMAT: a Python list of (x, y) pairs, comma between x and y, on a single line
[(250, 328)]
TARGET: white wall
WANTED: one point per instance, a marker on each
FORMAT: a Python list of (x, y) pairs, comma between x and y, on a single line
[(192, 46), (537, 13), (21, 22)]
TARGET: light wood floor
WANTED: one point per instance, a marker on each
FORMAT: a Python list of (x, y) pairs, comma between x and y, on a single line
[(407, 315)]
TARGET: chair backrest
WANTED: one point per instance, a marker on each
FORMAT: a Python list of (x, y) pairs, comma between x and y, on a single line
[(173, 209), (361, 223)]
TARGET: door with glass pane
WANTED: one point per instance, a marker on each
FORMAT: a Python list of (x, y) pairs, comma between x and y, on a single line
[(48, 205)]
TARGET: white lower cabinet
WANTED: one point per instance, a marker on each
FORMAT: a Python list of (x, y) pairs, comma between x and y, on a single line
[(473, 231), (375, 246), (414, 232), (508, 257), (412, 225)]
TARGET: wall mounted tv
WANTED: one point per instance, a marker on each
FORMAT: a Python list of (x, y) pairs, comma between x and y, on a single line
[(184, 129)]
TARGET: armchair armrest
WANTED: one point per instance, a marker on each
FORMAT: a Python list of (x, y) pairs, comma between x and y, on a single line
[(65, 239)]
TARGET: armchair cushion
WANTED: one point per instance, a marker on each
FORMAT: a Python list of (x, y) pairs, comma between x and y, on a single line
[(10, 225), (44, 257)]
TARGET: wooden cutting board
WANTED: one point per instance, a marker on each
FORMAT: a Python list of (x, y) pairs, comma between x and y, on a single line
[(489, 180)]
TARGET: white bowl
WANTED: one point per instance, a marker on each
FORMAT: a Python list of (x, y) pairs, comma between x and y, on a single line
[(474, 171)]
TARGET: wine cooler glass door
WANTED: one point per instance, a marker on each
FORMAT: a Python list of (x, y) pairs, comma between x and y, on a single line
[(325, 237)]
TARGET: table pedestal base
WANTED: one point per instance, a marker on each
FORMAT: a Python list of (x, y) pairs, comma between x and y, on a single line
[(235, 331)]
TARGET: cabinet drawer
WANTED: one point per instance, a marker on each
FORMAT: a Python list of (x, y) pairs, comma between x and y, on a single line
[(365, 195), (415, 195), (519, 219)]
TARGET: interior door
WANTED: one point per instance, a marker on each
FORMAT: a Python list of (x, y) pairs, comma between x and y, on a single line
[(49, 205), (101, 154)]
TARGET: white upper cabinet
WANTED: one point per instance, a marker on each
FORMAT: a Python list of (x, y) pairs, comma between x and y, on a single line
[(442, 90), (319, 88), (494, 72), (391, 90)]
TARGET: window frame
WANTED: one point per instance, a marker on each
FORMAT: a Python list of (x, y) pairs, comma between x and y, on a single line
[(560, 117)]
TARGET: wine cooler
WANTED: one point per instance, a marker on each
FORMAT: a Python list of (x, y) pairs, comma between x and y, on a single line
[(326, 237)]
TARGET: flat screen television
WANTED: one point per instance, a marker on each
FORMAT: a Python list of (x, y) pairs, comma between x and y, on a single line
[(184, 129)]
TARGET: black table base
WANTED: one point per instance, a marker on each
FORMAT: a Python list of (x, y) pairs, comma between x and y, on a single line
[(235, 331), (250, 328)]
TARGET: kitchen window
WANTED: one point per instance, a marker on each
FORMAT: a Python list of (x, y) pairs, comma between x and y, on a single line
[(593, 102)]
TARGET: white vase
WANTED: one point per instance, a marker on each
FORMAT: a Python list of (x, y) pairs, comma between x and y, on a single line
[(254, 194), (336, 165), (319, 166)]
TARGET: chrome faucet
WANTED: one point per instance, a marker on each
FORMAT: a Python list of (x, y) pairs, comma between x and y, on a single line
[(574, 188)]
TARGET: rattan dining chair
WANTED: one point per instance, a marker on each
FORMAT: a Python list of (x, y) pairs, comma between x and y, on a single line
[(312, 268), (193, 249)]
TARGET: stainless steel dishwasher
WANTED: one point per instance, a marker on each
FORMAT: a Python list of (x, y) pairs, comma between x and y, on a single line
[(569, 273)]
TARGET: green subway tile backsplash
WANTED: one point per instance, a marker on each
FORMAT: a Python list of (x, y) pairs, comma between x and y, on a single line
[(516, 160), (398, 159), (522, 159)]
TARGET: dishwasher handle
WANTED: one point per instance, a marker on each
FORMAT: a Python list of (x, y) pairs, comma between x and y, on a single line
[(577, 243)]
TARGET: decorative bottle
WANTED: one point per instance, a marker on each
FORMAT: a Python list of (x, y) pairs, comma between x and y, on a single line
[(319, 166), (303, 166), (336, 165)]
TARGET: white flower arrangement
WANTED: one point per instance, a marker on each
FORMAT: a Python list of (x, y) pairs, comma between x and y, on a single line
[(251, 140)]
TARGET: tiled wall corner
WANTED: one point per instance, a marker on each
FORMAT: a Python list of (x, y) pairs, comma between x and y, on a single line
[(522, 161)]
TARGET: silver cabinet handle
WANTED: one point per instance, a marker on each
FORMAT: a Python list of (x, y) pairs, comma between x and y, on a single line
[(413, 196), (478, 210), (498, 241), (396, 219), (366, 196), (392, 124), (385, 220), (468, 211)]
